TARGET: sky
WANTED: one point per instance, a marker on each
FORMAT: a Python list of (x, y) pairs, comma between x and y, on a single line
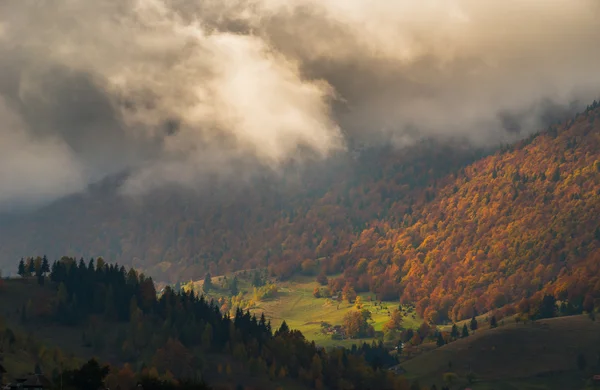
[(171, 91)]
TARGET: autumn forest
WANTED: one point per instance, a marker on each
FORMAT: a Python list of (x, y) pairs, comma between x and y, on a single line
[(454, 231)]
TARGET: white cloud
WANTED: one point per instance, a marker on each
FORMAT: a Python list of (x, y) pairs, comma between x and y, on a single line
[(171, 91)]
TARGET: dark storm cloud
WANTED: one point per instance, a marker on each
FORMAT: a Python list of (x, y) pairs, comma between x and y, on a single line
[(172, 91)]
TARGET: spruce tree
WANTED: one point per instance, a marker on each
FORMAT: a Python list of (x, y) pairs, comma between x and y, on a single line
[(257, 280), (473, 324), (233, 286), (45, 265), (207, 286), (454, 333), (465, 331), (21, 271), (440, 340), (283, 329), (31, 267), (493, 323)]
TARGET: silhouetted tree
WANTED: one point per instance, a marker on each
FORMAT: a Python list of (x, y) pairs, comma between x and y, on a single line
[(283, 329), (21, 270), (89, 376), (440, 340), (233, 286), (45, 265), (207, 286), (31, 267), (257, 280), (465, 331), (473, 324), (454, 333), (547, 307)]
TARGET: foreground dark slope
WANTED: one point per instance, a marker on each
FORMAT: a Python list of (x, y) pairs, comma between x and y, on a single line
[(232, 226), (177, 335), (536, 355)]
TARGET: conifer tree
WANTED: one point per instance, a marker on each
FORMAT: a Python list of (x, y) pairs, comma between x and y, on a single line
[(207, 286), (465, 331), (31, 267), (440, 340), (21, 270), (454, 333), (283, 329), (473, 324), (45, 265), (233, 286), (493, 323)]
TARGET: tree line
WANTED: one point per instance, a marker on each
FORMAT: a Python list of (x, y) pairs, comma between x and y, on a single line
[(173, 336)]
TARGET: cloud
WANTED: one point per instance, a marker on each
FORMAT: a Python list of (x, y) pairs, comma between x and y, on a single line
[(445, 68), (33, 169), (172, 91)]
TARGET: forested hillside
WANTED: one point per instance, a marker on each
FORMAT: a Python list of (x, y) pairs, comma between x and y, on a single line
[(424, 226), (231, 226), (521, 221), (178, 336)]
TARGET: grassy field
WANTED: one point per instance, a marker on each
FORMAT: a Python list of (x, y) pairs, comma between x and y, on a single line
[(540, 355), (296, 305)]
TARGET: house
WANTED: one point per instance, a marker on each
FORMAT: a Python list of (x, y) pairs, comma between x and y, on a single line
[(33, 382)]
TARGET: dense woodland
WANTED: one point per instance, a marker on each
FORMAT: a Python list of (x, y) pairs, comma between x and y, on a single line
[(454, 233), (180, 337), (519, 224), (275, 223)]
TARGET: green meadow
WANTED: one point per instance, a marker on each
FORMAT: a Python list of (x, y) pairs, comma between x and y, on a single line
[(296, 305)]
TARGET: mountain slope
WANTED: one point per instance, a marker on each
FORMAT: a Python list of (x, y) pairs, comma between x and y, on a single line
[(413, 226), (508, 226), (277, 222)]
